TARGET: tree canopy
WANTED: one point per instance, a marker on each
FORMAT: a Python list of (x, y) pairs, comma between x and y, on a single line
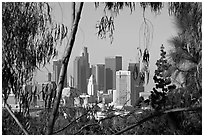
[(29, 38)]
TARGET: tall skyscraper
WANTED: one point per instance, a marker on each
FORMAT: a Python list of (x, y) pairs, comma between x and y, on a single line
[(135, 69), (86, 64), (81, 71), (98, 71), (77, 73), (122, 96), (57, 64), (56, 70), (112, 64), (136, 88), (49, 76)]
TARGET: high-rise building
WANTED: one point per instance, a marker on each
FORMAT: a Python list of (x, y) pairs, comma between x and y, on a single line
[(112, 64), (81, 71), (98, 71), (122, 95), (135, 69), (136, 87), (85, 55), (91, 87), (77, 74), (49, 76), (56, 70), (57, 64)]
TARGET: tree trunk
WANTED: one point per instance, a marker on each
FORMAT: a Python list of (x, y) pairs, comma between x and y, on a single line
[(14, 117), (66, 58)]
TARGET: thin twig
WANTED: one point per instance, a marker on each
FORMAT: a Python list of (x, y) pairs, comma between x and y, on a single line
[(70, 123), (88, 125), (85, 127), (156, 114)]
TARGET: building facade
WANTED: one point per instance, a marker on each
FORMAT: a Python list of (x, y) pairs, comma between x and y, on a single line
[(122, 95), (77, 72), (49, 76), (136, 87), (91, 87), (57, 64), (81, 71), (98, 71), (112, 64)]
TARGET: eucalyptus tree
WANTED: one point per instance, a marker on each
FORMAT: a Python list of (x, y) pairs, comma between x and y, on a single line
[(29, 39), (186, 52)]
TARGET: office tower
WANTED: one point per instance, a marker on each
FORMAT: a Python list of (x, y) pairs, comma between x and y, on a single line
[(136, 88), (77, 73), (135, 69), (122, 96), (56, 70), (86, 64), (49, 75), (91, 87), (98, 71), (112, 64), (57, 64), (82, 71)]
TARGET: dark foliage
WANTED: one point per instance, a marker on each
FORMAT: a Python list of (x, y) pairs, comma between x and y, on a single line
[(163, 85), (29, 39)]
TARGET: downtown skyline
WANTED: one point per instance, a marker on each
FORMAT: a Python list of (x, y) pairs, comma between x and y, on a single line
[(126, 37), (121, 87)]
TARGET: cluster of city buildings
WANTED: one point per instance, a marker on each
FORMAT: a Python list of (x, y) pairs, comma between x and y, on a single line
[(100, 83), (103, 84)]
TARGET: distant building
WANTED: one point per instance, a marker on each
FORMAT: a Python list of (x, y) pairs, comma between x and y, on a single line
[(77, 73), (134, 68), (122, 96), (107, 98), (12, 101), (98, 71), (86, 64), (136, 88), (112, 64), (99, 95), (49, 76), (57, 64), (87, 100), (81, 71), (91, 87), (56, 70), (145, 95)]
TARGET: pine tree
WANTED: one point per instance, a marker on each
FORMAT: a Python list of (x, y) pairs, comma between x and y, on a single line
[(163, 83)]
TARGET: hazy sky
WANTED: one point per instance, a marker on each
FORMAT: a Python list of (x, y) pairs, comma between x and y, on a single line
[(126, 36)]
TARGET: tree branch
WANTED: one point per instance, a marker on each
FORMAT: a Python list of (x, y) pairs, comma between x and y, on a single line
[(66, 57), (70, 123), (15, 118), (92, 124), (156, 114), (97, 123)]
